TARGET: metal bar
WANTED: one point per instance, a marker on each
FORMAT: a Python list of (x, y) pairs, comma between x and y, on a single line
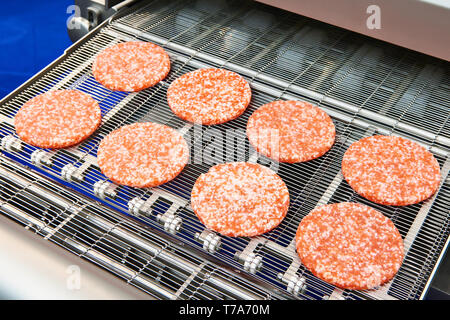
[(113, 229), (342, 54)]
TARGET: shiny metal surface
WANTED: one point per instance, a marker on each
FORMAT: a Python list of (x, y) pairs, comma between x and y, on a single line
[(414, 24), (367, 87), (33, 268), (103, 231)]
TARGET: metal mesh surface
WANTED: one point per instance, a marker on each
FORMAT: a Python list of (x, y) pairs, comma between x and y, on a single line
[(365, 85)]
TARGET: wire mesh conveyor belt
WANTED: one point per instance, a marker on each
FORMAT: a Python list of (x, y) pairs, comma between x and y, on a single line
[(365, 85)]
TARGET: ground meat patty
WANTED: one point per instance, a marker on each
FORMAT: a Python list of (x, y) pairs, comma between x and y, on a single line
[(58, 119), (131, 66), (209, 96), (240, 199), (291, 131), (391, 170), (142, 155), (350, 245)]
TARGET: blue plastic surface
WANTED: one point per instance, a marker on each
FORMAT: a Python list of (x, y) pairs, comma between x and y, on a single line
[(32, 34)]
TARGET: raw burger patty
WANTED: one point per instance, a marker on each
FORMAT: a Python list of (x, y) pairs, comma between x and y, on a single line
[(240, 199), (131, 66), (58, 119), (391, 170), (350, 245), (142, 155), (209, 96), (291, 131)]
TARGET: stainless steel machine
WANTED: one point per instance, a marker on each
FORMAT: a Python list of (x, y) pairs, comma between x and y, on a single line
[(150, 238)]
